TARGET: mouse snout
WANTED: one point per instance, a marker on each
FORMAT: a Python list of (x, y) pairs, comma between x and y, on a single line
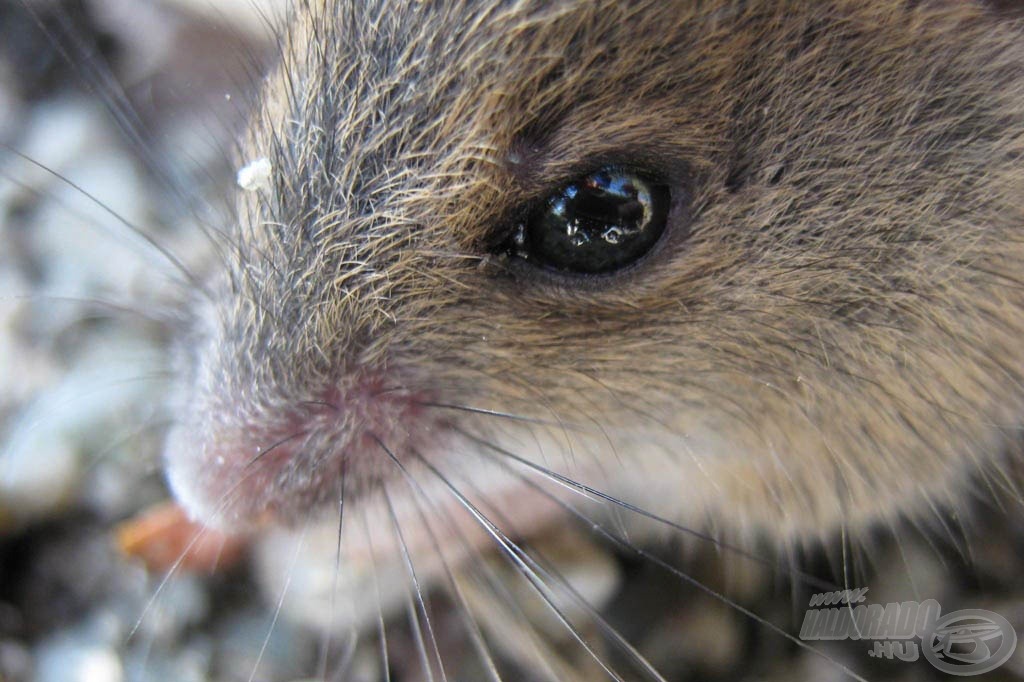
[(275, 460)]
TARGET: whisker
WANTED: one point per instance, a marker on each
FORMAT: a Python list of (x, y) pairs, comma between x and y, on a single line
[(417, 587), (514, 553), (415, 626), (325, 643), (99, 80), (164, 581), (542, 398), (543, 654), (267, 450), (545, 657), (180, 266), (714, 594), (547, 568), (382, 631), (490, 413), (226, 500), (96, 76), (419, 496), (120, 307), (590, 492), (280, 602)]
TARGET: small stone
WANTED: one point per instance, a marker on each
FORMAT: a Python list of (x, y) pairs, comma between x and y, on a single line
[(71, 660), (188, 661), (28, 490)]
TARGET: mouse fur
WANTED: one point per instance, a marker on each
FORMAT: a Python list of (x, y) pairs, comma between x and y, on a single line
[(827, 335)]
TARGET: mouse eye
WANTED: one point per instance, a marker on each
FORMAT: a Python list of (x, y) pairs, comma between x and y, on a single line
[(597, 224)]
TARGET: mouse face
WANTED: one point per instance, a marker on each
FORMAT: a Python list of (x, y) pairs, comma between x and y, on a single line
[(750, 260)]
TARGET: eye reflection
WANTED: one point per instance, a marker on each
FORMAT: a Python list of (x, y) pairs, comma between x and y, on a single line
[(598, 224)]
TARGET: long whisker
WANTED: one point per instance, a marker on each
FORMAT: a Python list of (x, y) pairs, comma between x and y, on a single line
[(419, 497), (189, 276), (494, 582), (280, 602), (99, 303), (516, 556), (640, 552), (165, 580), (98, 78), (410, 567), (544, 655), (593, 493), (416, 627), (485, 573), (325, 643), (229, 496), (490, 413), (381, 630), (267, 450), (547, 568)]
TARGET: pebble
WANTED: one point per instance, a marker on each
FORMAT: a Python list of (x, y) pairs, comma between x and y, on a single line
[(72, 660), (189, 661), (29, 491), (103, 384)]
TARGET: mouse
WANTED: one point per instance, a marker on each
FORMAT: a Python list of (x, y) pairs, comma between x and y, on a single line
[(496, 267), (761, 267)]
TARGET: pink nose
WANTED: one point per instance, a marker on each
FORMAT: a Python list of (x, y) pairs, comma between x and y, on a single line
[(233, 476)]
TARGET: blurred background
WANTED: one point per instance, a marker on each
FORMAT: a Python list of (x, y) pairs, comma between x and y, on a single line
[(116, 121)]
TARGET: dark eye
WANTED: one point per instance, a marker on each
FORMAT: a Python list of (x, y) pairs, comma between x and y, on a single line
[(598, 224)]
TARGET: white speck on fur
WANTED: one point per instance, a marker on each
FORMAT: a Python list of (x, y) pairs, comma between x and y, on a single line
[(256, 175)]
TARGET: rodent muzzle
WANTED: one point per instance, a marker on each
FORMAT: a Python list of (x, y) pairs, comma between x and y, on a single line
[(236, 471)]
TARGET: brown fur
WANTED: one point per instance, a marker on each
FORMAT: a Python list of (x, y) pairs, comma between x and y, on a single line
[(829, 333)]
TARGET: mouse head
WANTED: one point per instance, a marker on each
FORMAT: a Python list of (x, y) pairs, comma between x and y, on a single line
[(752, 255)]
